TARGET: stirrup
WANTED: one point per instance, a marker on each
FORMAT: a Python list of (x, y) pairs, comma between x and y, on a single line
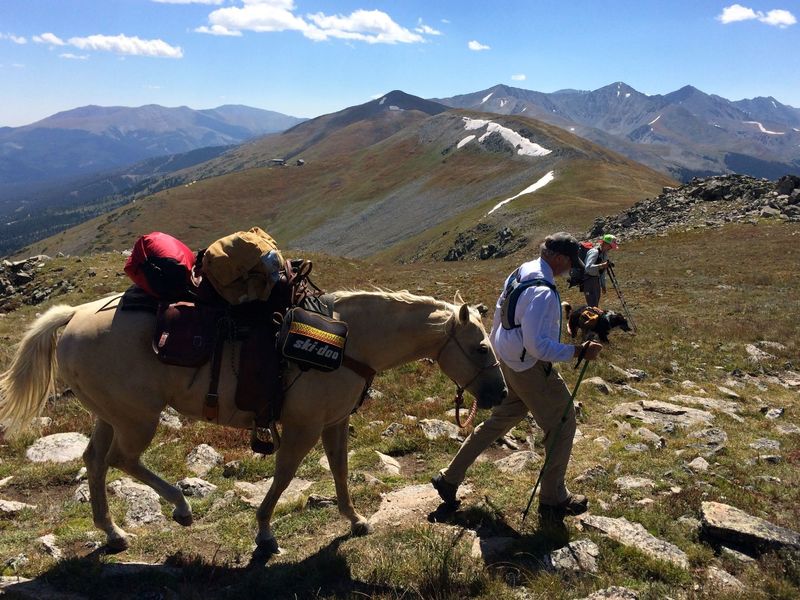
[(263, 441)]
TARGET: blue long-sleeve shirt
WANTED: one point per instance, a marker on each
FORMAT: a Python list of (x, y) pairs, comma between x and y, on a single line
[(538, 313)]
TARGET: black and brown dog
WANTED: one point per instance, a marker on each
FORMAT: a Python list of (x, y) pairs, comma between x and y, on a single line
[(592, 322)]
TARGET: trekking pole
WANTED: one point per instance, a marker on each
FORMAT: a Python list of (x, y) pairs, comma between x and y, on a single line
[(558, 430), (621, 297)]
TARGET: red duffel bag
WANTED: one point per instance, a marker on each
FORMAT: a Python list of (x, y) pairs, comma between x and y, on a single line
[(161, 265)]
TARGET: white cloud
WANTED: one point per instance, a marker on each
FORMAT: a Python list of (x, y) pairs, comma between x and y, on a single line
[(72, 56), (130, 46), (776, 17), (519, 77), (736, 12), (477, 46), (14, 38), (426, 29), (218, 30), (779, 18), (49, 38), (264, 16)]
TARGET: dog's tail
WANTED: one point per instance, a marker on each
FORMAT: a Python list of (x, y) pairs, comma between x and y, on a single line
[(567, 312)]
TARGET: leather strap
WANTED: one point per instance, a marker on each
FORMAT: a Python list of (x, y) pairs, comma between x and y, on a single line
[(365, 371), (211, 406)]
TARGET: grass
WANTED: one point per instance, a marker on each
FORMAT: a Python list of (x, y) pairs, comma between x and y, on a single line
[(695, 308)]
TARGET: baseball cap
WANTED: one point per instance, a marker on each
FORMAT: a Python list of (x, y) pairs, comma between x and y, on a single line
[(564, 243), (611, 240)]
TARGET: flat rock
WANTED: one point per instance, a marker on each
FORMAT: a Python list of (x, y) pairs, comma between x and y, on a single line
[(58, 447), (699, 465), (721, 580), (633, 483), (655, 412), (518, 461), (632, 391), (765, 444), (48, 543), (435, 429), (196, 487), (709, 440), (144, 504), (389, 463), (253, 494), (756, 355), (727, 392), (409, 504), (727, 407), (729, 524), (9, 507), (6, 480), (600, 385), (787, 429), (633, 534), (652, 439), (202, 459), (576, 557), (622, 375)]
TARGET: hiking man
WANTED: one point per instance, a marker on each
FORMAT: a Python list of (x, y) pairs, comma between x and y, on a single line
[(526, 354), (595, 267)]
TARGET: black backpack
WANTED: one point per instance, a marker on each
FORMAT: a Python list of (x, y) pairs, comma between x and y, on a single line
[(514, 288), (577, 274)]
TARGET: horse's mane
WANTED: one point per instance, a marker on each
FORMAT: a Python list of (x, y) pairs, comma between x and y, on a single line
[(401, 296)]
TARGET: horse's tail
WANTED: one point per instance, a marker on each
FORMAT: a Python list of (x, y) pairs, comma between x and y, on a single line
[(26, 385)]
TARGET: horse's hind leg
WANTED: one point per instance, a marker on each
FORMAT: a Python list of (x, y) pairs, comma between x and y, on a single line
[(334, 439), (296, 443), (95, 457), (125, 453)]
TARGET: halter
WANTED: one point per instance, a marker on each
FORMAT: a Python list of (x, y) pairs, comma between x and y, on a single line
[(459, 397)]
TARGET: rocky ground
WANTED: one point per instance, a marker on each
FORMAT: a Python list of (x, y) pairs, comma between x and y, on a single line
[(688, 447), (709, 202)]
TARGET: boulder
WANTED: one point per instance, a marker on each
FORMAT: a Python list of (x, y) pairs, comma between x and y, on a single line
[(202, 459), (728, 524), (517, 462), (653, 412), (253, 494), (58, 447), (576, 557), (144, 504), (633, 534)]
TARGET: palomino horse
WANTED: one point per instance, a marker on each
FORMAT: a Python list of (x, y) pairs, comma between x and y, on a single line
[(104, 355)]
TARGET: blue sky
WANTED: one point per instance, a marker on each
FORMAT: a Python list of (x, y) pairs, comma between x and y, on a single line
[(307, 57)]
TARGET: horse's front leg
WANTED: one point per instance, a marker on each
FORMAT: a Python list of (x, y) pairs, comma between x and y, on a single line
[(334, 439), (296, 443)]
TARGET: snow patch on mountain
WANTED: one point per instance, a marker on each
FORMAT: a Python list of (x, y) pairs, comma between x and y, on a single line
[(762, 129), (465, 141), (523, 145), (487, 97), (654, 120), (538, 185)]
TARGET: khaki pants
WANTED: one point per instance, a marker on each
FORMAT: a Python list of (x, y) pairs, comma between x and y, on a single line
[(546, 396)]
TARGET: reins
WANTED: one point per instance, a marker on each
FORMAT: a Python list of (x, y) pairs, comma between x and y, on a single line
[(459, 397)]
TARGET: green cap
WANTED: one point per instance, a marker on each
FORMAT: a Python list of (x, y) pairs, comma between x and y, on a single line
[(611, 240)]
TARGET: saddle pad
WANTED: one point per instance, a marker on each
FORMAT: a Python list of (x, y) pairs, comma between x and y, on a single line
[(312, 340)]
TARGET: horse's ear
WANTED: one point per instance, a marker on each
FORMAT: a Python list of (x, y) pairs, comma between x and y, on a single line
[(463, 313), (457, 299)]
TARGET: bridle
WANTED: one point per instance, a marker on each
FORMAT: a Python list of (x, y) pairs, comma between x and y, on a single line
[(459, 397)]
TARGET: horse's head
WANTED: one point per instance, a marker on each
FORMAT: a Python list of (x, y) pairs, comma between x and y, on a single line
[(468, 359)]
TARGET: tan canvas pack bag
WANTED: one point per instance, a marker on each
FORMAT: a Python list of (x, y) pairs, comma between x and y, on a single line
[(243, 266)]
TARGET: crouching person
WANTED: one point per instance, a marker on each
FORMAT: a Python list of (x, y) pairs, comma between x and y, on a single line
[(526, 338)]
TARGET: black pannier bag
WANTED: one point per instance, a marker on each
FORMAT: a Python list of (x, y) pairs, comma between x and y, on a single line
[(312, 340)]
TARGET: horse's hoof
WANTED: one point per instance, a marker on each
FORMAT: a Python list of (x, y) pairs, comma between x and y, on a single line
[(181, 519), (117, 544), (267, 546), (361, 528)]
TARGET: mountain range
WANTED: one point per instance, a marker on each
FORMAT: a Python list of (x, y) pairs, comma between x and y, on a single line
[(94, 139), (684, 133), (398, 177)]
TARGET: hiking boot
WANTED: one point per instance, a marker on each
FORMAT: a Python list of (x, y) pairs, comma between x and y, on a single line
[(575, 504), (447, 491)]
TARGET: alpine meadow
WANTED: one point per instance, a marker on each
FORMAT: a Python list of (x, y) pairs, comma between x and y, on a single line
[(276, 399)]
